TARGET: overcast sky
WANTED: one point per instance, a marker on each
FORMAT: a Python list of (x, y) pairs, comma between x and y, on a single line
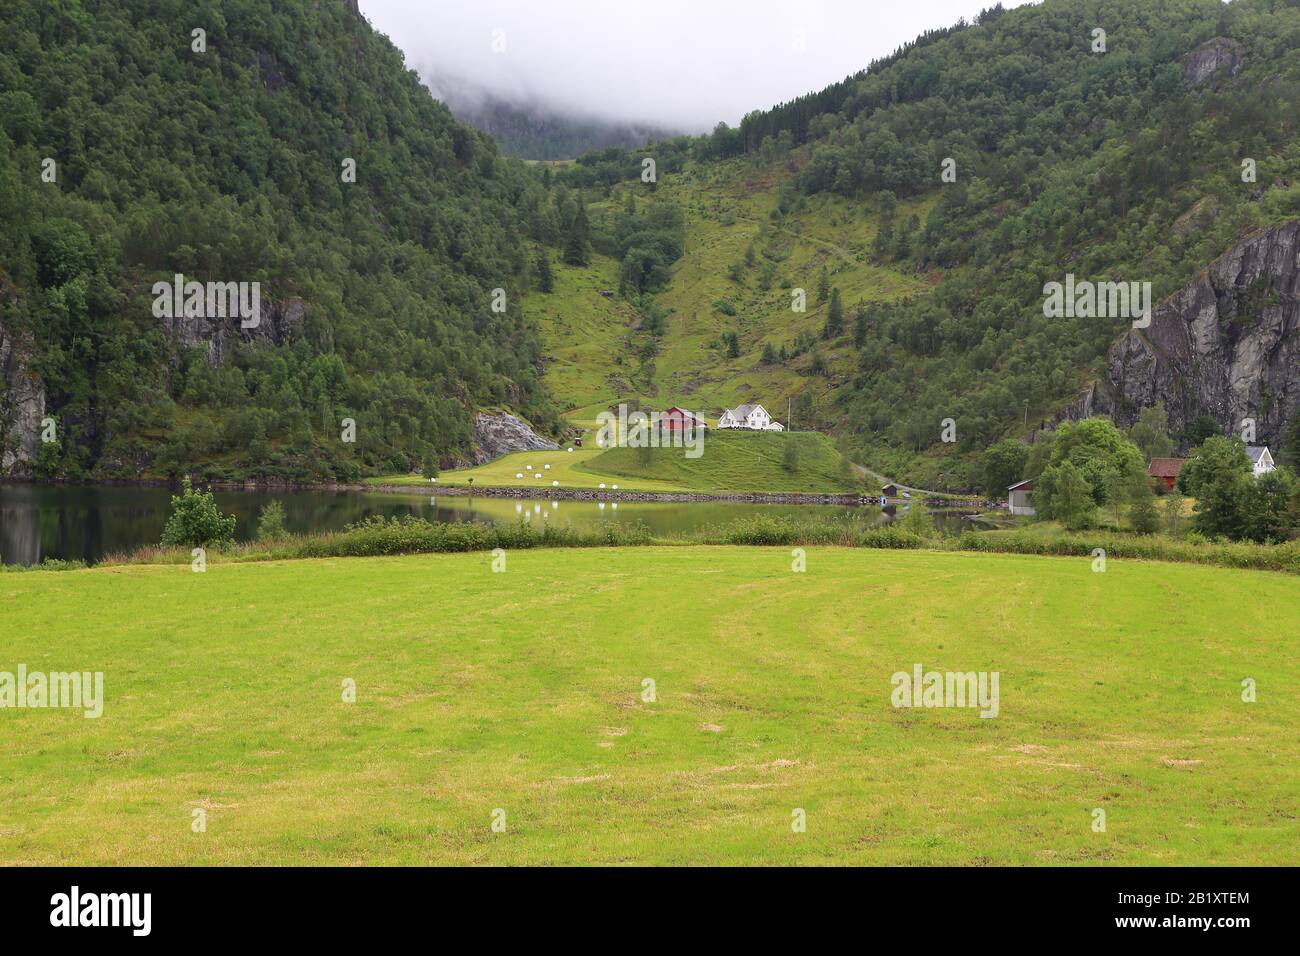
[(684, 63)]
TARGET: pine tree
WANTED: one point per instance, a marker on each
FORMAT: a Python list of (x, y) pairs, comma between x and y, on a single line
[(545, 278), (834, 317), (1291, 444), (823, 285), (860, 327), (577, 245)]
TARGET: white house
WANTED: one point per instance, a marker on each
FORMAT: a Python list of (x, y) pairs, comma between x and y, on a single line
[(1260, 459), (751, 417), (1020, 497)]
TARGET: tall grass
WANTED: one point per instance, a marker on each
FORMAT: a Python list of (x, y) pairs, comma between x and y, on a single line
[(411, 535)]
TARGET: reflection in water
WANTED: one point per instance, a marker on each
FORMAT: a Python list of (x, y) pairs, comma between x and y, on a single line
[(86, 522)]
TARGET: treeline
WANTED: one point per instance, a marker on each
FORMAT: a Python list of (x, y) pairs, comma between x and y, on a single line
[(797, 115)]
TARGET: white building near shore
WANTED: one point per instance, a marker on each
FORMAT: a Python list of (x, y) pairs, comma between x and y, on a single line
[(1260, 459), (750, 417)]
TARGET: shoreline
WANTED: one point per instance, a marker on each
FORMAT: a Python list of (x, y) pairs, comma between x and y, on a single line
[(847, 499)]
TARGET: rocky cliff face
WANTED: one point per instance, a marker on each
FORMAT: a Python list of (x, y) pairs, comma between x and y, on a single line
[(279, 323), (497, 435), (22, 403), (1226, 345), (1218, 55)]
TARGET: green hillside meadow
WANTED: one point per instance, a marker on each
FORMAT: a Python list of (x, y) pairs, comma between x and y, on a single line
[(737, 461)]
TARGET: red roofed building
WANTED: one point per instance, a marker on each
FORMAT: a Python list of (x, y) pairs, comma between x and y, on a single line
[(679, 419), (1166, 469)]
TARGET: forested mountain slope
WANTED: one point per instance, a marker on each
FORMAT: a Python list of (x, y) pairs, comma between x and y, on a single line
[(918, 208), (229, 164), (1142, 162)]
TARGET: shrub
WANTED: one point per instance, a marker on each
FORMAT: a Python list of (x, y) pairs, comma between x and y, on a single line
[(890, 536), (196, 520), (270, 522), (790, 457), (49, 564), (917, 521), (760, 530)]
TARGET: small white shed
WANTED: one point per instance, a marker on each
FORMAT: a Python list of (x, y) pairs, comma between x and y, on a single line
[(1020, 497)]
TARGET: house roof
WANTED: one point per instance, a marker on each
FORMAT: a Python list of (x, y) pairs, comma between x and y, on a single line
[(742, 411), (1027, 484), (1165, 467), (1256, 452)]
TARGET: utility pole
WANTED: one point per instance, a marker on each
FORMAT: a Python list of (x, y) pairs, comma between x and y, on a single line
[(789, 412)]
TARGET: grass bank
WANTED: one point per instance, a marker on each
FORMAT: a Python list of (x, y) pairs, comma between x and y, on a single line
[(378, 536)]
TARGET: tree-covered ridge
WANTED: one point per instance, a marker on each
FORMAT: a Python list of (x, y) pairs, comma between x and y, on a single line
[(1122, 165), (228, 165)]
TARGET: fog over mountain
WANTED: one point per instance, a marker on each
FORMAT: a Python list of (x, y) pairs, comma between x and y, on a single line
[(675, 63), (531, 128)]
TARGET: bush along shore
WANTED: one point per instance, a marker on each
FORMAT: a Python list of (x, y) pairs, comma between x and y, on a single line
[(379, 536)]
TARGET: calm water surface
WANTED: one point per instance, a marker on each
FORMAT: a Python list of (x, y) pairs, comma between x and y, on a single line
[(86, 522)]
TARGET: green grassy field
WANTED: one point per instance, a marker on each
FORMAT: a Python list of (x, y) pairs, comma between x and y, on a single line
[(735, 461), (570, 469), (523, 691), (730, 462)]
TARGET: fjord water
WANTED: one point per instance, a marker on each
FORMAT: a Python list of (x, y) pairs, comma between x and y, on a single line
[(86, 522)]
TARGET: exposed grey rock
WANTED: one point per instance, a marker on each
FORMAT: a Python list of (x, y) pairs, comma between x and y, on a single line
[(497, 435), (1211, 57), (22, 404), (1225, 345), (269, 70), (279, 324)]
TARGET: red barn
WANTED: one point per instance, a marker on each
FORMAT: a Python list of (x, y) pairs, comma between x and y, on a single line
[(679, 419), (1166, 469)]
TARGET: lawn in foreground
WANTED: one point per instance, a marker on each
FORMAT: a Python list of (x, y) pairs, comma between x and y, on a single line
[(523, 691)]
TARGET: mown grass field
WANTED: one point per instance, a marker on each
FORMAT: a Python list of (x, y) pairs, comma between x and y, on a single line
[(522, 691), (730, 462), (570, 469), (736, 461)]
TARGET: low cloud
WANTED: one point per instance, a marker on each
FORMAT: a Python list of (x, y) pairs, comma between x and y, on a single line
[(681, 63)]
